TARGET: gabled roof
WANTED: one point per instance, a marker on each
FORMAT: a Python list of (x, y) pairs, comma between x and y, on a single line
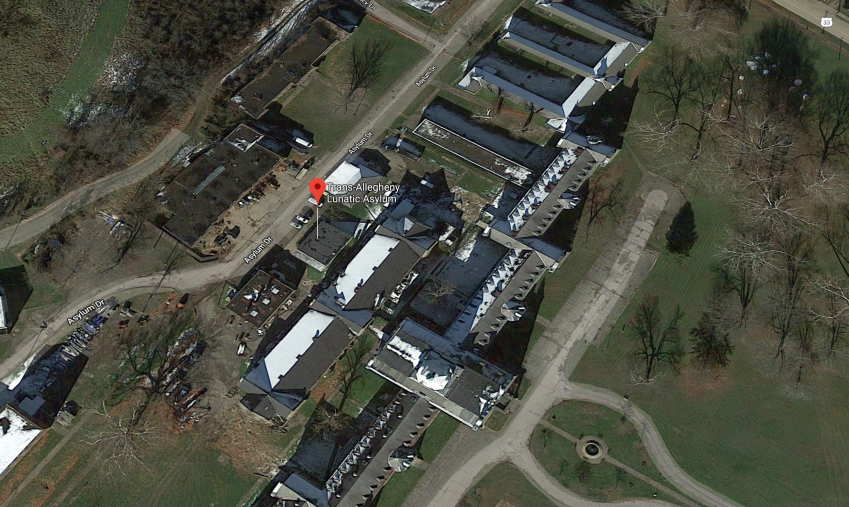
[(461, 384), (348, 174), (374, 271), (591, 22), (301, 356)]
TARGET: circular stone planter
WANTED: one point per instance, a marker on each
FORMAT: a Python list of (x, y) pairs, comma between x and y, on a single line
[(593, 450)]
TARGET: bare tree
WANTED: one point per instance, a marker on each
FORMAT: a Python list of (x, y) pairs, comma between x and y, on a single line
[(644, 13), (437, 290), (656, 344), (364, 65), (672, 79), (472, 29), (351, 362), (743, 261), (532, 110), (807, 355), (791, 283), (830, 114), (835, 231), (137, 204), (151, 356), (707, 89), (121, 439), (832, 312), (604, 199), (327, 421)]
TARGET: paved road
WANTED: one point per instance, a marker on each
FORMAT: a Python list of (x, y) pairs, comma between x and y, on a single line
[(653, 441), (814, 11), (150, 163), (575, 323), (56, 211), (277, 226)]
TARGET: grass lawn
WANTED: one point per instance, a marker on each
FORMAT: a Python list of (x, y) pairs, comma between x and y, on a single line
[(362, 391), (586, 248), (14, 476), (524, 387), (581, 419), (181, 471), (77, 82), (557, 455), (744, 434), (497, 420), (505, 483), (476, 183), (319, 106), (314, 274), (400, 485), (436, 436)]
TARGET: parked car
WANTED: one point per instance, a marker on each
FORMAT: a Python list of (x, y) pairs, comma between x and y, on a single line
[(296, 223), (594, 140)]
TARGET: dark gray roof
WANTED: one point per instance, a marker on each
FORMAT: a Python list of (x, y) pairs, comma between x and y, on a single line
[(317, 359), (388, 275), (302, 376), (331, 237), (210, 185), (260, 288)]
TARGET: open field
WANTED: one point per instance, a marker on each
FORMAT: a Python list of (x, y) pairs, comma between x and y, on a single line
[(40, 70), (436, 436), (505, 486), (208, 463), (581, 419), (398, 487), (557, 456), (319, 106), (747, 433)]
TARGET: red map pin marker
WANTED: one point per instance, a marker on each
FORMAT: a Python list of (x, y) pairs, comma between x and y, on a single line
[(317, 187)]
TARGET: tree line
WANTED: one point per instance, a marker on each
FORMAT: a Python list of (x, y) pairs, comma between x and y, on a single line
[(762, 128)]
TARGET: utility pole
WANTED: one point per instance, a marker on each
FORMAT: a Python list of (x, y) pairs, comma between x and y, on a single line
[(15, 229), (432, 21)]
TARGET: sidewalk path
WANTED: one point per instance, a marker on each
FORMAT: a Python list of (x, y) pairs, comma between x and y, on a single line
[(653, 441), (577, 323)]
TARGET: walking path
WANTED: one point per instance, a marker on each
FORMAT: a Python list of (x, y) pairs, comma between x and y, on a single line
[(653, 441), (575, 325), (618, 464)]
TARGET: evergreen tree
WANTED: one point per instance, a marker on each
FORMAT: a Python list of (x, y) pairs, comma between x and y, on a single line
[(682, 233), (711, 345)]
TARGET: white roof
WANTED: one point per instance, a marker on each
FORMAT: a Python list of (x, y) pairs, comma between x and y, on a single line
[(406, 350), (609, 58), (296, 342), (16, 440), (361, 267), (347, 174)]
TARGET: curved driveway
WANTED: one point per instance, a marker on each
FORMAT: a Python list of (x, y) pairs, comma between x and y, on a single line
[(653, 441), (577, 324)]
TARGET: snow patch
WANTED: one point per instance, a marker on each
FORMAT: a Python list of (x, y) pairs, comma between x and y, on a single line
[(424, 5)]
